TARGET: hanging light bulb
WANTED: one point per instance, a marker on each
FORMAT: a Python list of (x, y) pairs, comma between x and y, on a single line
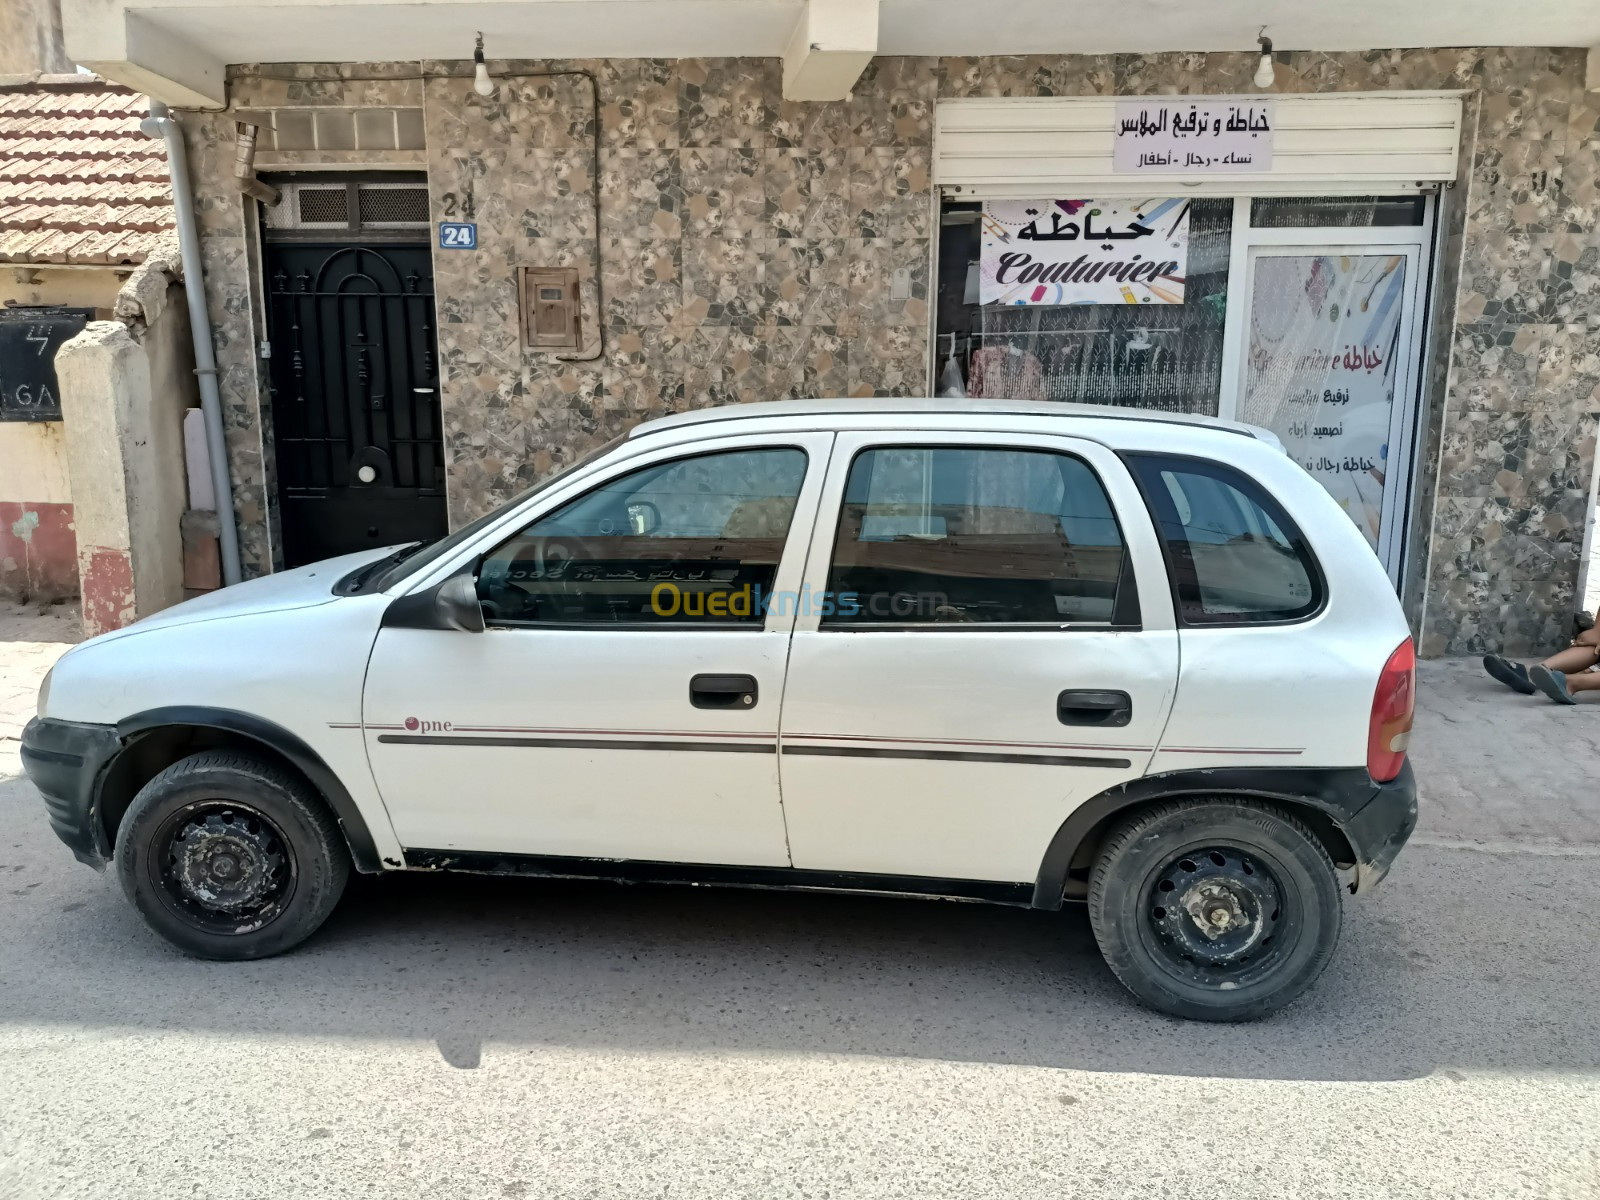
[(1265, 74), (481, 83)]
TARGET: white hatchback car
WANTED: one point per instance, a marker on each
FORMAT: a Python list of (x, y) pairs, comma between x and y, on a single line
[(1013, 652)]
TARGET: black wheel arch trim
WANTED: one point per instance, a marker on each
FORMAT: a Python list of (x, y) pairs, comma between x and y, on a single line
[(363, 850), (1374, 818)]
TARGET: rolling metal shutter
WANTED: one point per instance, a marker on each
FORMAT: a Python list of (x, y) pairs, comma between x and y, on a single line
[(1357, 143)]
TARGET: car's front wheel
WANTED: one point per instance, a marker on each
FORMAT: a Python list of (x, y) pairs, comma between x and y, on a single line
[(1215, 909), (230, 856)]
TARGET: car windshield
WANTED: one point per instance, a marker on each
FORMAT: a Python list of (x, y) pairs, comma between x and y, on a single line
[(386, 572)]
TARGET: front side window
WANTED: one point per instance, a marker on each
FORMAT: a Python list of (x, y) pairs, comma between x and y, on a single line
[(693, 540), (973, 535), (1234, 554)]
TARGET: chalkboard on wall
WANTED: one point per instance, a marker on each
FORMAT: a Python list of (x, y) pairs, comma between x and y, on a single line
[(29, 339)]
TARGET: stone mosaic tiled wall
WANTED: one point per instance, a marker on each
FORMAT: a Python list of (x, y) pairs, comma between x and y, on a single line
[(748, 245)]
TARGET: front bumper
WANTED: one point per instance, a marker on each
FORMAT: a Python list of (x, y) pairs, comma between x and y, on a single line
[(1382, 826), (65, 760)]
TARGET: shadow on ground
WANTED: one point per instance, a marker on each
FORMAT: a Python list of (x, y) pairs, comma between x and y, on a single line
[(1462, 959)]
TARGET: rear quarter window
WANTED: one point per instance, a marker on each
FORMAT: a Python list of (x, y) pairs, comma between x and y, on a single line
[(1233, 554)]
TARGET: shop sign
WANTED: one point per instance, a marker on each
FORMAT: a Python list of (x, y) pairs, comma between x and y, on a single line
[(1083, 251), (1323, 369), (29, 339), (1213, 136)]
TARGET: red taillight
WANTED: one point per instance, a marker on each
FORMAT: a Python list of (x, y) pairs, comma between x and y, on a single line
[(1389, 730)]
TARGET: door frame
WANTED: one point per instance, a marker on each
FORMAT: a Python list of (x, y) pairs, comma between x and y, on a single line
[(623, 458), (647, 718), (261, 236), (1064, 766), (1413, 242), (1149, 565)]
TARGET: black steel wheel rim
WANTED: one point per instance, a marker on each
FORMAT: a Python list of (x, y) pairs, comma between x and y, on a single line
[(223, 867), (1219, 916)]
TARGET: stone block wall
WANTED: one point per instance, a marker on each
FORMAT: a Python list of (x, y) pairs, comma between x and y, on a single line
[(748, 242)]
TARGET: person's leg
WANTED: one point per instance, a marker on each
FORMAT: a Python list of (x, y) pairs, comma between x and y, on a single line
[(1584, 681), (1572, 659)]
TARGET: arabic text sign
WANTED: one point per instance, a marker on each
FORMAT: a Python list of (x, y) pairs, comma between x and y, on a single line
[(1323, 369), (1207, 136), (1083, 251)]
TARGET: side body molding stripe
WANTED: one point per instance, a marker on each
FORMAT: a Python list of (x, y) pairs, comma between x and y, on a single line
[(978, 756), (574, 743), (701, 746)]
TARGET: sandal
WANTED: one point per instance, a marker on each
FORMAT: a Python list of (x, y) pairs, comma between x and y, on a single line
[(1513, 675), (1552, 684)]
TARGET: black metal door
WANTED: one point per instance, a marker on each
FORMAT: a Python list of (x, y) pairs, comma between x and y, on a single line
[(355, 397)]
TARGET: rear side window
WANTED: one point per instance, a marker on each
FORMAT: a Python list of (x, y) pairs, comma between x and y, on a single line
[(1234, 555), (975, 535)]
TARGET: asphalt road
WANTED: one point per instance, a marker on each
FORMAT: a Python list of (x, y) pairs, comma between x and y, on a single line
[(455, 1037)]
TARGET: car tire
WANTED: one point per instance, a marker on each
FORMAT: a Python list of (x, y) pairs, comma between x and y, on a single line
[(1215, 909), (231, 856)]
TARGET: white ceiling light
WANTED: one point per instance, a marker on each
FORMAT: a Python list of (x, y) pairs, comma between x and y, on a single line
[(481, 83), (1265, 73)]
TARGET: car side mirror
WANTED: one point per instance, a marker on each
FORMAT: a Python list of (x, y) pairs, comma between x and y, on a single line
[(643, 518), (457, 606)]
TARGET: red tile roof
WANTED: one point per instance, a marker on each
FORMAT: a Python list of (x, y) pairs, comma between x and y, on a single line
[(78, 182)]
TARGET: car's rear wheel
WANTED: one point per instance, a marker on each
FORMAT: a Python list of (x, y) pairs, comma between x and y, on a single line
[(230, 856), (1215, 909)]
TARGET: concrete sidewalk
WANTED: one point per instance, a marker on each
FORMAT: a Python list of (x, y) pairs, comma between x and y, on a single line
[(1495, 768), (31, 639)]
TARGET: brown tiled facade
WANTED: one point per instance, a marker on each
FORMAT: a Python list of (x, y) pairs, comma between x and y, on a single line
[(748, 245)]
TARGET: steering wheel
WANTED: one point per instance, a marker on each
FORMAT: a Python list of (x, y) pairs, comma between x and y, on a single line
[(538, 561), (558, 548)]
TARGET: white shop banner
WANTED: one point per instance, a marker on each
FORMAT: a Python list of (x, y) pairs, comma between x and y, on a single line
[(1083, 251), (1217, 135)]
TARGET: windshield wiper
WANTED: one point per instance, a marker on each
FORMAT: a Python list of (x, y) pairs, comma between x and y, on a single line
[(361, 576)]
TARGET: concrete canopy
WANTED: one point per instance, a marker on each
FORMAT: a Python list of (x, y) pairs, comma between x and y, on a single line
[(177, 50)]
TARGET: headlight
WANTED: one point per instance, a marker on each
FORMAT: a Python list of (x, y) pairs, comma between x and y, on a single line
[(44, 692)]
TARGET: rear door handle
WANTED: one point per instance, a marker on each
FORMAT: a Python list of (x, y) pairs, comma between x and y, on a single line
[(723, 691), (1109, 710)]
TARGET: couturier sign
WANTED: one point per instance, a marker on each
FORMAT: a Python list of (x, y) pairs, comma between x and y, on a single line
[(1084, 251)]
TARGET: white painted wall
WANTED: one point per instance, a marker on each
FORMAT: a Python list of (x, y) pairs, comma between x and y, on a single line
[(33, 463), (139, 41), (33, 455)]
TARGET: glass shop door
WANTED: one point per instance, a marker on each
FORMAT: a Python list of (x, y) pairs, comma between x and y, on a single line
[(1329, 356)]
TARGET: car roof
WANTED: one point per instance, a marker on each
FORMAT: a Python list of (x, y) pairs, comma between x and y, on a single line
[(896, 408)]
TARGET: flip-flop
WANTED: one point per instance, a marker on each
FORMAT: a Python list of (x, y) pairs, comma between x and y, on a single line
[(1513, 675), (1552, 684)]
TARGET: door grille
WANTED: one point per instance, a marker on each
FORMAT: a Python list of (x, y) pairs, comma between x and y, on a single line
[(382, 205), (357, 206), (322, 206), (355, 395)]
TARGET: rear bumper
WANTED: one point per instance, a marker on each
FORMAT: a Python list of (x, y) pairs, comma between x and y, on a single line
[(1382, 826), (65, 760)]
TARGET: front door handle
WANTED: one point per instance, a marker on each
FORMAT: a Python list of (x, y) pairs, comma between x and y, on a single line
[(723, 691), (1106, 709)]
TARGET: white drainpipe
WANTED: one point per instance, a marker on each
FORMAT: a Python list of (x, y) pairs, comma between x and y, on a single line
[(160, 125)]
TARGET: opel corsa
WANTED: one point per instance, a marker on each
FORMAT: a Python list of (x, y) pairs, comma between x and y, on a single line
[(1020, 653)]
